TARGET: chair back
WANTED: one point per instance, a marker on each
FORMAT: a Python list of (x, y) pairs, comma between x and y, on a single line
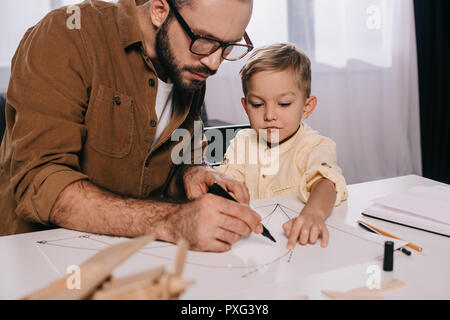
[(218, 141)]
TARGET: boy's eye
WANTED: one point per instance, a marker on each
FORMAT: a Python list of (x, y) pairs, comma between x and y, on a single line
[(256, 105), (285, 104)]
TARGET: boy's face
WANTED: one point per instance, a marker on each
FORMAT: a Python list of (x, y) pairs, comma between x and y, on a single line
[(276, 103)]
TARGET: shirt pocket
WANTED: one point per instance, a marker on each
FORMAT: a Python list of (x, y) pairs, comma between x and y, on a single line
[(288, 188), (111, 125)]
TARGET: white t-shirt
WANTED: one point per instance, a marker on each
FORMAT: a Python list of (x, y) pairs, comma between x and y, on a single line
[(163, 107)]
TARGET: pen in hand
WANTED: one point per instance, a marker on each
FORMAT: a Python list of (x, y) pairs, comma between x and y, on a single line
[(219, 191)]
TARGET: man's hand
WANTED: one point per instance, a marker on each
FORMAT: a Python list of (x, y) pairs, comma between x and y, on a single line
[(198, 179), (209, 223), (212, 223)]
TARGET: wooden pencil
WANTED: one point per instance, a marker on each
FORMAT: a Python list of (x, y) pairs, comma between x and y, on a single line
[(411, 245)]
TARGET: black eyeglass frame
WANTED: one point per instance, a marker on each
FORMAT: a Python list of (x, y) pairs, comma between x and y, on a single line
[(194, 37)]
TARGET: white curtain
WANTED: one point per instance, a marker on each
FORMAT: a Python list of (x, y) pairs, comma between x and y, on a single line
[(364, 75), (15, 18)]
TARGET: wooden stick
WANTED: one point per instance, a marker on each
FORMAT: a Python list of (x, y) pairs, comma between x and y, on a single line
[(164, 287), (123, 286), (347, 296), (385, 288), (93, 272), (178, 286), (364, 293), (148, 292)]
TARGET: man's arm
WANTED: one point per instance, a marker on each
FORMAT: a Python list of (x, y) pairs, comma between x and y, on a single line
[(208, 223), (86, 207)]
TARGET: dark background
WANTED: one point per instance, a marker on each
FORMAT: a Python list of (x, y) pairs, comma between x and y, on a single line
[(433, 48)]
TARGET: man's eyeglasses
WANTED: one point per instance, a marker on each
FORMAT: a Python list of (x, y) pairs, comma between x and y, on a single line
[(204, 46)]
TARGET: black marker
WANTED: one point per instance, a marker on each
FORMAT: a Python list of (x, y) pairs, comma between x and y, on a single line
[(388, 261), (219, 191)]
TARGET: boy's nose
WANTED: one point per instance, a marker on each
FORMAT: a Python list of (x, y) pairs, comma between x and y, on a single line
[(213, 61), (270, 113)]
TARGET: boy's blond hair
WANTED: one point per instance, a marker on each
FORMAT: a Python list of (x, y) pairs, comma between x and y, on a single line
[(278, 57)]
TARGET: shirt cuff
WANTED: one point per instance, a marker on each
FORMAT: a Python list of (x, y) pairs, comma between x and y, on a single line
[(319, 172), (40, 196)]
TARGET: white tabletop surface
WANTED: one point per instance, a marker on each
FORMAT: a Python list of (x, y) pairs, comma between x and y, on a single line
[(23, 269)]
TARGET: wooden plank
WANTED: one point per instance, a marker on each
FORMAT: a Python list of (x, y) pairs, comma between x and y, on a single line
[(364, 293), (93, 272)]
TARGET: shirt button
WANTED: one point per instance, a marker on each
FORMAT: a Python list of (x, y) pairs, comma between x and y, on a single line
[(117, 100), (263, 175), (153, 123), (151, 82)]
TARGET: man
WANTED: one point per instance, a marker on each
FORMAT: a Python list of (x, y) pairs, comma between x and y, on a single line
[(90, 112)]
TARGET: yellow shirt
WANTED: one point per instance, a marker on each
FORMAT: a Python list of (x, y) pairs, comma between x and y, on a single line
[(292, 167)]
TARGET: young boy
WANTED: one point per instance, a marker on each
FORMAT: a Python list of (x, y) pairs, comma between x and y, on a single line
[(276, 81)]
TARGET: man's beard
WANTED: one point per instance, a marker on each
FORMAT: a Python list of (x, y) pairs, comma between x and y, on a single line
[(167, 59)]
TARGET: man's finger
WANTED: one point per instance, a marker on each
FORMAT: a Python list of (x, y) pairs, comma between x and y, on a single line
[(197, 182), (242, 212), (235, 225), (195, 189), (227, 236), (192, 192), (217, 246), (239, 191)]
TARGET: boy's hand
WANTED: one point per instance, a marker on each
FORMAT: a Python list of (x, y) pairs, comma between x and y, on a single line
[(306, 228)]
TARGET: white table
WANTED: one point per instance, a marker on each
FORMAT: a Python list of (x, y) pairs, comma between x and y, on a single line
[(24, 269)]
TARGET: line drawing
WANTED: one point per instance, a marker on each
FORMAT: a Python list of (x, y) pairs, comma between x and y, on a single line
[(275, 209), (249, 267)]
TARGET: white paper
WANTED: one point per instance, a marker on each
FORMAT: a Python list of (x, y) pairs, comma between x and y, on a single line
[(252, 262), (426, 208)]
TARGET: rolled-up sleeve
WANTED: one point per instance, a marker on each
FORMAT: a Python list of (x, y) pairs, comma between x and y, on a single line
[(47, 99), (321, 162)]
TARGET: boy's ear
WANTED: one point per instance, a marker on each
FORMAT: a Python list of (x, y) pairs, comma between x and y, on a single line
[(244, 104), (159, 11), (310, 105)]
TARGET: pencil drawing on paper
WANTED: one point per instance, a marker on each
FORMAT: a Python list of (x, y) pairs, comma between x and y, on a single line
[(253, 261), (243, 257)]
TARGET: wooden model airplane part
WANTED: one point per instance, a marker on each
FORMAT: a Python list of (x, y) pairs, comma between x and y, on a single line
[(98, 284), (365, 293)]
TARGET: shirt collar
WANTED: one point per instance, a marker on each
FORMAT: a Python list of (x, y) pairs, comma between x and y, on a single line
[(286, 145), (128, 23)]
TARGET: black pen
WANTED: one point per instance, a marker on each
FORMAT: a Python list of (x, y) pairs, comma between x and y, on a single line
[(405, 251), (219, 191)]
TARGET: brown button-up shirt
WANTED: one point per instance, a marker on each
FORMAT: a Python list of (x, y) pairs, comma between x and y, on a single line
[(81, 105)]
